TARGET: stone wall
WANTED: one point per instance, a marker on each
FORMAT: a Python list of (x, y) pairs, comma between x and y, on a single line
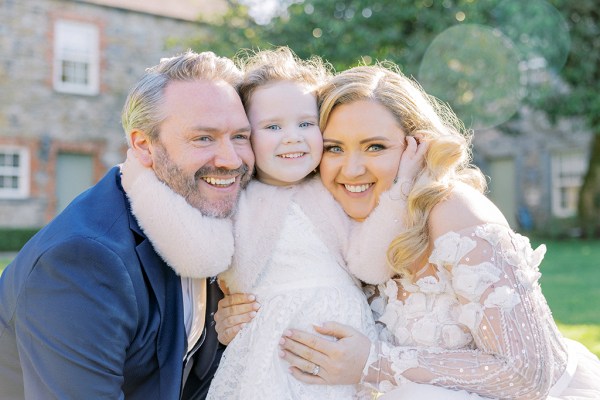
[(34, 115)]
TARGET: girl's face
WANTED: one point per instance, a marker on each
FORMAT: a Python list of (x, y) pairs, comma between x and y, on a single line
[(363, 144), (285, 137)]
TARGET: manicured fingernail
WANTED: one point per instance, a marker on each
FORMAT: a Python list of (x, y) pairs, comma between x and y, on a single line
[(253, 314), (256, 306), (281, 341), (281, 354), (287, 333), (251, 297)]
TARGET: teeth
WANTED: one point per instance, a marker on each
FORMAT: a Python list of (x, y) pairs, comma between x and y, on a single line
[(291, 155), (220, 182), (357, 188)]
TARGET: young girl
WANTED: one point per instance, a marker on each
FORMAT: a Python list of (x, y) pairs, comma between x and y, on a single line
[(291, 237)]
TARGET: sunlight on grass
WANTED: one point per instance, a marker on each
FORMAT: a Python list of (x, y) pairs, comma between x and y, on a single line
[(589, 335)]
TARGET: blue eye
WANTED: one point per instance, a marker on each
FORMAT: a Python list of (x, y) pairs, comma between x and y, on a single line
[(273, 127), (332, 149), (376, 147), (306, 124)]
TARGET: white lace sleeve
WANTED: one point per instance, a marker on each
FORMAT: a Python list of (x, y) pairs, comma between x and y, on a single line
[(370, 239), (517, 352), (194, 245)]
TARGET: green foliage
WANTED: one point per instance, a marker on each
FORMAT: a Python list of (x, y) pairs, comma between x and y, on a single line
[(12, 239), (549, 39)]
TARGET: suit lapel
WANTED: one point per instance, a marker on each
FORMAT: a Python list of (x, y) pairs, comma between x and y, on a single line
[(170, 345)]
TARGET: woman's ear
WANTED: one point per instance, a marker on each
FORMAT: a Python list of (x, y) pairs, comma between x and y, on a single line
[(141, 146)]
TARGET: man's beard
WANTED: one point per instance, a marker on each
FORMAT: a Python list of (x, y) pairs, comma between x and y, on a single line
[(188, 186)]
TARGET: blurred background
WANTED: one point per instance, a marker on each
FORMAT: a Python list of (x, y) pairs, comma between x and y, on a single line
[(524, 76)]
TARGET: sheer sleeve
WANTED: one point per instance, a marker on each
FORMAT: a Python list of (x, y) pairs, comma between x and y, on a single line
[(370, 239), (517, 351)]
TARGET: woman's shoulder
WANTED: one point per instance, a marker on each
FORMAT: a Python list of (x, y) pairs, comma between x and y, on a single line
[(464, 207)]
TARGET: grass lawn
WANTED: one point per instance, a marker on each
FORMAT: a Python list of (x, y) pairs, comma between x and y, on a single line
[(570, 280)]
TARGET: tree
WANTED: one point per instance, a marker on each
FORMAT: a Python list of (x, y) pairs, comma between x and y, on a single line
[(582, 73), (349, 32)]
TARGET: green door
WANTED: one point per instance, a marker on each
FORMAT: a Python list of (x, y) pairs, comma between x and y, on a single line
[(502, 188), (74, 174)]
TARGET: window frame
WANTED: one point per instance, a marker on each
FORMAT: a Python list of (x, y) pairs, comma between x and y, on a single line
[(568, 169), (22, 172), (85, 53)]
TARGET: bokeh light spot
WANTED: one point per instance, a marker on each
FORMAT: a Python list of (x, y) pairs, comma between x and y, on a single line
[(317, 32), (476, 70)]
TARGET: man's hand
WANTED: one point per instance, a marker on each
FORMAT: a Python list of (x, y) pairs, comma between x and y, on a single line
[(340, 362), (233, 313)]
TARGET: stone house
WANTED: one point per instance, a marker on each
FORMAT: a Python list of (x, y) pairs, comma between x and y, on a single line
[(535, 170), (65, 69)]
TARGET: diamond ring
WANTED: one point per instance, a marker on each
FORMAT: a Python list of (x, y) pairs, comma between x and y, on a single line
[(316, 370)]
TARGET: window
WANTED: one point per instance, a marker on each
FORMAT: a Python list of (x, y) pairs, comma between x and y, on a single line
[(76, 57), (14, 172), (567, 178)]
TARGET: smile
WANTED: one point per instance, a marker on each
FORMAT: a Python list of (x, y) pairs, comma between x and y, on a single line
[(291, 155), (357, 188), (219, 182)]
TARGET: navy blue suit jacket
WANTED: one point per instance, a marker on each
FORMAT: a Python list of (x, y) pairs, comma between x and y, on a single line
[(88, 310)]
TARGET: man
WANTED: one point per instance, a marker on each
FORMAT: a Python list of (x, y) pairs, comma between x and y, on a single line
[(88, 310)]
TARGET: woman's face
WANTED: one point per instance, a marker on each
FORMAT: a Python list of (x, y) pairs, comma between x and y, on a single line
[(362, 145)]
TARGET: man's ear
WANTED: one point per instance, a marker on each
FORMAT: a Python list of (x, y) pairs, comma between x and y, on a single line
[(142, 147)]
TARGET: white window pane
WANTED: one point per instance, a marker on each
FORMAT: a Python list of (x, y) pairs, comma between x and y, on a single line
[(76, 57), (567, 177), (14, 172)]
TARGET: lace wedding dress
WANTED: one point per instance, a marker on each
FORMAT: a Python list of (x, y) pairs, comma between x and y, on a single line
[(474, 319)]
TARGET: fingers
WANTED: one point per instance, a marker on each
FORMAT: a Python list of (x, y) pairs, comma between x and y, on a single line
[(299, 352), (233, 313), (235, 304), (340, 362), (411, 145), (422, 148), (336, 330), (308, 341), (305, 365), (307, 378)]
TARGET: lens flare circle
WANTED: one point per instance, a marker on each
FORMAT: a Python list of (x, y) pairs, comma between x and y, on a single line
[(476, 70)]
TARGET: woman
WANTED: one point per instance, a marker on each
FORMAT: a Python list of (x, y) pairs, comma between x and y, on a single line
[(466, 311)]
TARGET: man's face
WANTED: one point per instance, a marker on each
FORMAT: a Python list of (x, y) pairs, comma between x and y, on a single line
[(203, 151)]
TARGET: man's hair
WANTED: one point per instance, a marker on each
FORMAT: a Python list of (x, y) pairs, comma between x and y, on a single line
[(142, 109)]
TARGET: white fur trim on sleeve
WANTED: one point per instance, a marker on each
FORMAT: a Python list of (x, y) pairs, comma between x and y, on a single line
[(194, 245), (370, 239)]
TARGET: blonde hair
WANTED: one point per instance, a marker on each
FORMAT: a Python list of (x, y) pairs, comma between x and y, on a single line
[(280, 65), (448, 158), (142, 109)]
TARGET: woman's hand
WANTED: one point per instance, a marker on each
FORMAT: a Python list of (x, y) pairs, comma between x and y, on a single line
[(411, 161), (233, 313), (339, 362)]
